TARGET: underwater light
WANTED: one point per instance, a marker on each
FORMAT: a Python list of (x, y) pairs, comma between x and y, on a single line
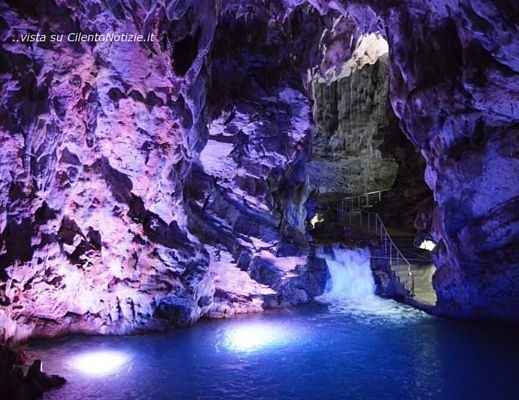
[(252, 337), (100, 363)]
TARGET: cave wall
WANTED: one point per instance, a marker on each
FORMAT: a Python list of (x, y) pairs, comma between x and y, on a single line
[(253, 212), (114, 217), (116, 213), (358, 145), (97, 145), (454, 73), (455, 89), (352, 122)]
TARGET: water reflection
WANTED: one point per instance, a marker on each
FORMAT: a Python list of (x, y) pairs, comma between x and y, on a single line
[(317, 352), (255, 336), (99, 363)]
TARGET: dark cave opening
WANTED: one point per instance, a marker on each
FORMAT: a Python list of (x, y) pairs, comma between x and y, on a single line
[(185, 52)]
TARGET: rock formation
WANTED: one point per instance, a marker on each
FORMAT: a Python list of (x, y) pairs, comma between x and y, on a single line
[(454, 88), (22, 382), (358, 146), (352, 117), (462, 113), (120, 211), (251, 208), (148, 184)]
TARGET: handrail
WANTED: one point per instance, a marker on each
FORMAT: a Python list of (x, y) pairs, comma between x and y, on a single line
[(387, 237), (396, 257), (391, 250), (355, 203)]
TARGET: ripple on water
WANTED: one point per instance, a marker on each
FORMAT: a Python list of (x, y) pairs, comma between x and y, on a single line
[(375, 349), (374, 310)]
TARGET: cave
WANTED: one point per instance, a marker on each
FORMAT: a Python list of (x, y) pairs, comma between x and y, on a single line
[(251, 199)]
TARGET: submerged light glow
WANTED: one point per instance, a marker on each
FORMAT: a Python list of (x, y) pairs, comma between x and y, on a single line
[(256, 336), (100, 363)]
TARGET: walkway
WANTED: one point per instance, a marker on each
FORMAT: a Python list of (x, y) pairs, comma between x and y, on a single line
[(412, 266)]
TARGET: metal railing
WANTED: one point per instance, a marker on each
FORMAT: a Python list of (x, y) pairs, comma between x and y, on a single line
[(350, 210), (398, 262), (359, 202)]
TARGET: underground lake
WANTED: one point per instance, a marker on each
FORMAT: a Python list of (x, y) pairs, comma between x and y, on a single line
[(316, 352), (259, 199), (350, 344)]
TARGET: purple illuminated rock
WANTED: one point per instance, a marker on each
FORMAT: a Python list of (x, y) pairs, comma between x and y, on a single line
[(134, 175), (456, 92), (97, 140), (117, 203)]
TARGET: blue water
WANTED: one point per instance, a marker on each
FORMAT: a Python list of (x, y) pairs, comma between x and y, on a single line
[(375, 350)]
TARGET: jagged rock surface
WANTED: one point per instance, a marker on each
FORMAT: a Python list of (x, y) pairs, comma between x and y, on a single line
[(97, 143), (358, 146), (254, 207), (454, 88), (113, 216), (352, 119), (22, 382)]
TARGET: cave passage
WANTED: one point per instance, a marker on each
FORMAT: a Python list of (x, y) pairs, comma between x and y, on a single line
[(368, 178), (286, 199)]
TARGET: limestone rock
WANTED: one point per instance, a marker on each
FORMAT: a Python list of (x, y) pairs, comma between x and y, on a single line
[(352, 119)]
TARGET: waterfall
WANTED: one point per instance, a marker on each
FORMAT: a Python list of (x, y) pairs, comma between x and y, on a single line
[(350, 275), (351, 287)]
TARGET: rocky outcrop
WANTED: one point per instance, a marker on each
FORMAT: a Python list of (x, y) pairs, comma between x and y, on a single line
[(117, 203), (297, 280), (251, 209), (353, 117), (22, 382), (97, 142), (455, 90), (248, 198), (454, 69)]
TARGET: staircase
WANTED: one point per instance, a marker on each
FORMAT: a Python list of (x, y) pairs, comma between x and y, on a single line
[(356, 214)]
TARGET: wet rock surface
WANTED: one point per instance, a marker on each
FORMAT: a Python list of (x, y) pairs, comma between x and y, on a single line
[(22, 382), (353, 120), (140, 182)]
